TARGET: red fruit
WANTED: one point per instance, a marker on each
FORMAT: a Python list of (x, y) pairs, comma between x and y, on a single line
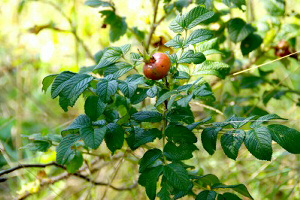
[(157, 67)]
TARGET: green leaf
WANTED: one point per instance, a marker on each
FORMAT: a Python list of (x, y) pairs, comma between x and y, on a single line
[(141, 136), (64, 150), (164, 194), (182, 152), (47, 81), (106, 88), (263, 119), (118, 26), (60, 82), (94, 107), (38, 145), (180, 134), (209, 139), (125, 48), (286, 137), (228, 196), (177, 176), (191, 19), (149, 158), (195, 124), (207, 180), (191, 57), (238, 29), (118, 69), (152, 92), (176, 42), (127, 88), (209, 67), (80, 122), (147, 116), (178, 24), (206, 195), (240, 188), (149, 179), (231, 142), (92, 137), (197, 36), (135, 58), (110, 56), (75, 163), (184, 101), (275, 7), (250, 43), (139, 96), (196, 16), (179, 114), (97, 3), (181, 75), (114, 137), (259, 142), (234, 3), (207, 45), (75, 86), (164, 97)]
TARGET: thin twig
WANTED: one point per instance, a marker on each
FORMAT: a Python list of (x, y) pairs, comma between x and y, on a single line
[(208, 107), (153, 26)]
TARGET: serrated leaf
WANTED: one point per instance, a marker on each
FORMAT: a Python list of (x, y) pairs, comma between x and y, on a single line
[(182, 152), (207, 180), (141, 136), (75, 86), (139, 96), (234, 3), (240, 188), (196, 16), (263, 119), (149, 179), (195, 124), (114, 137), (47, 81), (60, 82), (64, 150), (259, 142), (80, 122), (231, 142), (250, 43), (180, 134), (149, 158), (181, 75), (184, 101), (206, 195), (275, 7), (286, 137), (152, 92), (164, 194), (228, 196), (135, 58), (207, 45), (238, 29), (106, 88), (177, 176), (178, 24), (127, 88), (179, 114), (38, 145), (94, 107), (198, 36), (147, 116), (110, 56), (209, 139), (118, 69), (176, 42), (75, 163), (209, 67), (97, 3), (164, 97), (92, 137), (191, 57), (125, 48)]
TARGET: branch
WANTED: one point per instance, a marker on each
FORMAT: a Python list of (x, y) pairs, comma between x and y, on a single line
[(153, 26)]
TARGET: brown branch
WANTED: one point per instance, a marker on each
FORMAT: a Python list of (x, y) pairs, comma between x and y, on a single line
[(153, 26)]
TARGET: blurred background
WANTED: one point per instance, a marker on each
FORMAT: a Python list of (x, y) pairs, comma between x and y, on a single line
[(42, 37)]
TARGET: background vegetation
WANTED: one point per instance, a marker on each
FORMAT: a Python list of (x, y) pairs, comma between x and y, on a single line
[(41, 37)]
